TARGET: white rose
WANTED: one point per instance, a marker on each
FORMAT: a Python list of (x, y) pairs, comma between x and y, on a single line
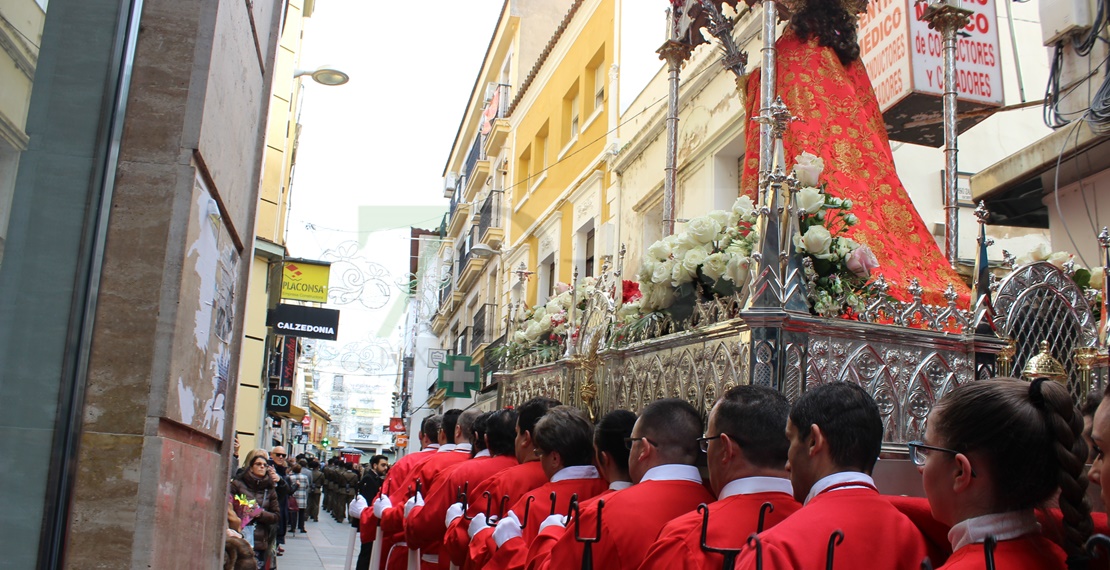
[(1040, 253), (704, 229), (715, 265), (662, 296), (519, 337), (1098, 277), (685, 271), (807, 168), (533, 331), (1024, 260), (815, 241), (662, 273), (810, 200), (743, 206), (659, 251), (720, 216), (738, 270), (554, 305), (546, 324), (538, 313), (647, 268), (1059, 258)]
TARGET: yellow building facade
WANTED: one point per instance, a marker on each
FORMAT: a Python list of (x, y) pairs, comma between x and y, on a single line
[(560, 220), (259, 362), (473, 258)]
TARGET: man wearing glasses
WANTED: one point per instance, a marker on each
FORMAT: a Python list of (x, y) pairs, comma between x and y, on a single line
[(835, 434), (745, 446), (284, 489), (666, 484)]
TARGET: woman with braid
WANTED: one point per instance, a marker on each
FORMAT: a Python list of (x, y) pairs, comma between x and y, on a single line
[(994, 451)]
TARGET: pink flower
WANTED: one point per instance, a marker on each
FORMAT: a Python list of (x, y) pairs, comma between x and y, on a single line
[(561, 288), (862, 262)]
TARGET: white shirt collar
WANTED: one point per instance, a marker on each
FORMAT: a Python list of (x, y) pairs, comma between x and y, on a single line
[(752, 485), (462, 448), (1003, 526), (865, 482), (575, 472), (672, 472), (619, 485), (446, 447), (483, 453), (431, 447)]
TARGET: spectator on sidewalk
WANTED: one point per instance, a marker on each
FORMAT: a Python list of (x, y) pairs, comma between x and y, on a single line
[(300, 483)]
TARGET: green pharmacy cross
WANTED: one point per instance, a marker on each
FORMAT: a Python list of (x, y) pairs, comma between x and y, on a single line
[(458, 376)]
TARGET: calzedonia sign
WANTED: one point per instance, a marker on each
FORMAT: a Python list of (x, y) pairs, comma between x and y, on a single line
[(306, 322)]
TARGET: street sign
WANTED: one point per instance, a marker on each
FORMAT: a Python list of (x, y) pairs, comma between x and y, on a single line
[(302, 321), (279, 400), (305, 280), (458, 376), (402, 440), (307, 421), (397, 425)]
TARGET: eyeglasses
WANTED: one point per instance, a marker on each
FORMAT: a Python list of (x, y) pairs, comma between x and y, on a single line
[(629, 440), (703, 442), (279, 455), (919, 450)]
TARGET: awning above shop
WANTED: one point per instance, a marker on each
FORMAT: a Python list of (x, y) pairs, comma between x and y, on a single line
[(295, 413), (1013, 188)]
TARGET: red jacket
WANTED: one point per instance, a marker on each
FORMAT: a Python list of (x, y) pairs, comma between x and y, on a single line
[(513, 482)]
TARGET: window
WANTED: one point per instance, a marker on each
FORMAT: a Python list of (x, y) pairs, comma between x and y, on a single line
[(525, 170), (599, 86), (550, 269), (539, 154), (574, 117), (589, 270)]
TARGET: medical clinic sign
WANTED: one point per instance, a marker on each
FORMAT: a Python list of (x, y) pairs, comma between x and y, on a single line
[(303, 280), (905, 61)]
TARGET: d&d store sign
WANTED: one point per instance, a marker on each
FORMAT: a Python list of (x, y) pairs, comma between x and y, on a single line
[(306, 322), (303, 280)]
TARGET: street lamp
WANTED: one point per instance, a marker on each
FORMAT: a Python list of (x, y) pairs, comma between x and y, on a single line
[(324, 75)]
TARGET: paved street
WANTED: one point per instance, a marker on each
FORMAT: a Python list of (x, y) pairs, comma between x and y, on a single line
[(323, 547)]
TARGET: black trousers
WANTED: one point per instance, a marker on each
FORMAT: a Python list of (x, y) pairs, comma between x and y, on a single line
[(363, 562)]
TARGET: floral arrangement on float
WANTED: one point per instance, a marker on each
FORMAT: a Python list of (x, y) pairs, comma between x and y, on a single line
[(542, 330), (838, 267), (712, 258)]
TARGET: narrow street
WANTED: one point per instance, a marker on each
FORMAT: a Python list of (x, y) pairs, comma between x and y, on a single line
[(324, 547)]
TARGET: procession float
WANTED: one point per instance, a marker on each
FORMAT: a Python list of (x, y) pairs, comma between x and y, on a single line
[(799, 283)]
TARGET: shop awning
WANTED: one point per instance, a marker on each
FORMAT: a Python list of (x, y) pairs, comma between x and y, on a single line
[(294, 413)]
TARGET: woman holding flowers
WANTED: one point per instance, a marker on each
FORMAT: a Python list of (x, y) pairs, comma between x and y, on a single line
[(255, 491)]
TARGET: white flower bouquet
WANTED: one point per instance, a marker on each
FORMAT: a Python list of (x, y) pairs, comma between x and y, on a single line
[(711, 258), (839, 267)]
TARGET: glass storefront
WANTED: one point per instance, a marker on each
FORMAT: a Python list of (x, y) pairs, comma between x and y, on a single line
[(63, 77)]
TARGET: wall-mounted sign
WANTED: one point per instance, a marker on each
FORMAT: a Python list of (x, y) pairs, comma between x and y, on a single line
[(305, 280), (397, 425), (458, 377), (288, 362), (279, 400), (302, 321), (401, 441)]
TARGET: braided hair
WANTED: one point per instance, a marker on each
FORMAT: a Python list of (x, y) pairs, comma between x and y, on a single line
[(1030, 437), (833, 25)]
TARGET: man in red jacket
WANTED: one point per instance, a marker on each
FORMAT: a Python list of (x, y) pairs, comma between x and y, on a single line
[(512, 483), (564, 442), (664, 448), (425, 527), (835, 434), (394, 486), (746, 446)]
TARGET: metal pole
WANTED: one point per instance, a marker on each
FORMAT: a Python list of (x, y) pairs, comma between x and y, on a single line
[(674, 53), (767, 87), (947, 18)]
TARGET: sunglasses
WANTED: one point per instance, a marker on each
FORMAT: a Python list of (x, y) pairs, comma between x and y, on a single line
[(279, 455)]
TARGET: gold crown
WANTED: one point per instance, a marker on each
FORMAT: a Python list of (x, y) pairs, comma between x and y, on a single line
[(1043, 365)]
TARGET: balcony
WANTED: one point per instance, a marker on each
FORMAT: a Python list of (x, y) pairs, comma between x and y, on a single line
[(490, 231), (499, 126), (483, 329), (475, 170), (460, 218), (470, 265)]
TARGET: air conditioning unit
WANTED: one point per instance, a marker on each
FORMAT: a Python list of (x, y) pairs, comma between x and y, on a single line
[(1062, 19), (450, 184), (491, 88)]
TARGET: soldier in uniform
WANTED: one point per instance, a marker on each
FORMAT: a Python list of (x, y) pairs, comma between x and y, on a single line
[(347, 482)]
